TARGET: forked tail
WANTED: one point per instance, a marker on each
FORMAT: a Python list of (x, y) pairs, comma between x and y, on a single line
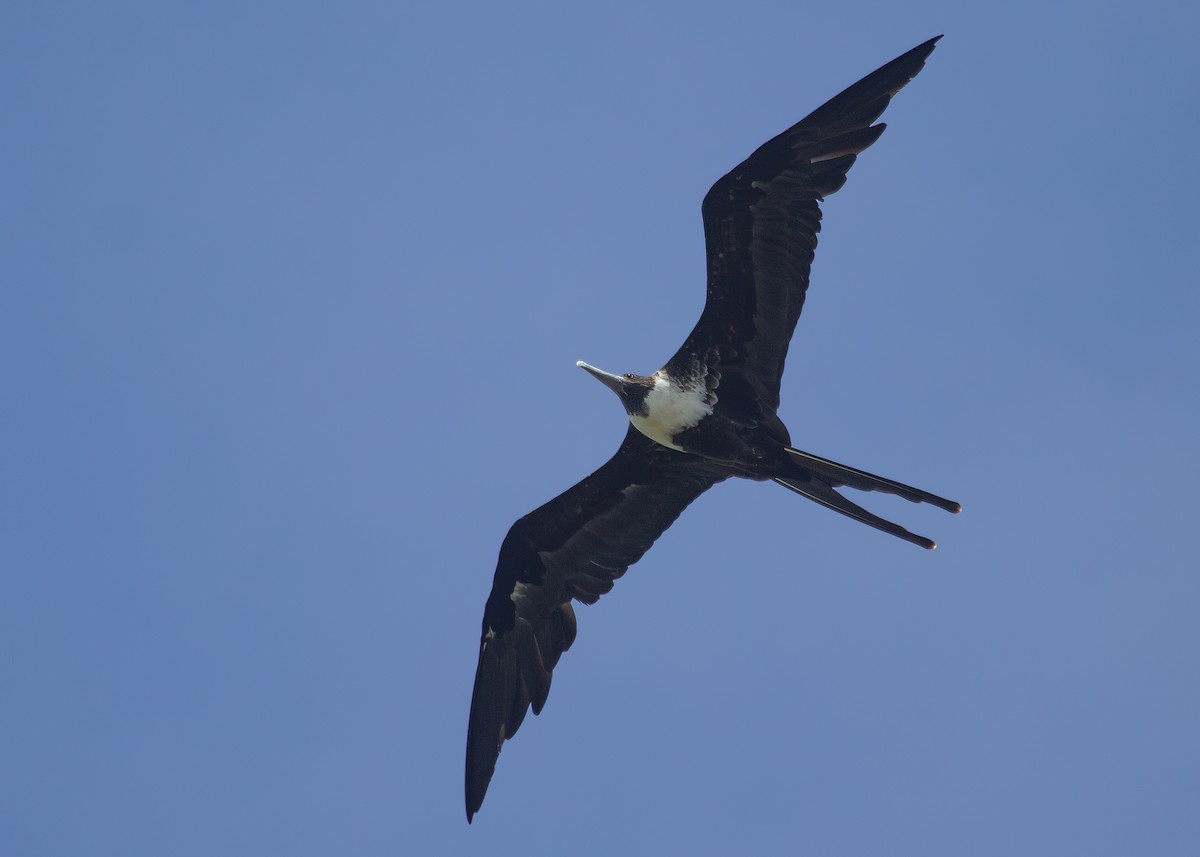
[(819, 477)]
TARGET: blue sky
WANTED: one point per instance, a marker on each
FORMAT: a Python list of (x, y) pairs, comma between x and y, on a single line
[(293, 295)]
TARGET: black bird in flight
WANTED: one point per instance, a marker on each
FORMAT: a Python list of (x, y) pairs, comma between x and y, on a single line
[(707, 415)]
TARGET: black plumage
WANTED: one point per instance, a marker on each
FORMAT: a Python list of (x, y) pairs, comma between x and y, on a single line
[(712, 409)]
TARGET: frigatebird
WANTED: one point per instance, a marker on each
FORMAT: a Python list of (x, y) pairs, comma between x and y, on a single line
[(707, 415)]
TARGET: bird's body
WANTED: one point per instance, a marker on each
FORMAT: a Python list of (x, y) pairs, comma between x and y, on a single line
[(709, 414), (683, 416), (671, 408)]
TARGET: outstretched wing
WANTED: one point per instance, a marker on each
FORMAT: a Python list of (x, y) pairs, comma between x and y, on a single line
[(760, 229), (575, 546)]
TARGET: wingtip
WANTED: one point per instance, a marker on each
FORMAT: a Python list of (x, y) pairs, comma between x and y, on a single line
[(472, 804), (926, 47)]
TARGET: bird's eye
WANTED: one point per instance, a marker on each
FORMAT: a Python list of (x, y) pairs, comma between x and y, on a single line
[(628, 376)]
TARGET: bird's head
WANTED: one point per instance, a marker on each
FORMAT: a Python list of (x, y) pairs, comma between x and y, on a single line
[(630, 389)]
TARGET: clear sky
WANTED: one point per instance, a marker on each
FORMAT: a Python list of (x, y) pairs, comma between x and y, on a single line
[(292, 299)]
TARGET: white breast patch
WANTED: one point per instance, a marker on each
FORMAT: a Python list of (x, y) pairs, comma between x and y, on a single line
[(672, 409)]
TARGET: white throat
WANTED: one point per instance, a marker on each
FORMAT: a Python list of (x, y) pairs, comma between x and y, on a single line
[(672, 409)]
